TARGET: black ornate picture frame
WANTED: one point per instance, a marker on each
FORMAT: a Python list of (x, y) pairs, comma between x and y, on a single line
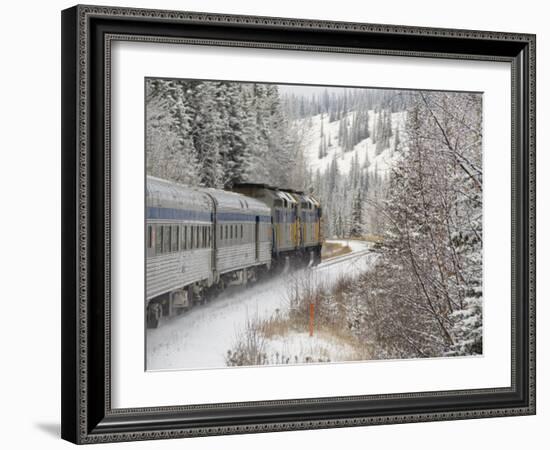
[(87, 35)]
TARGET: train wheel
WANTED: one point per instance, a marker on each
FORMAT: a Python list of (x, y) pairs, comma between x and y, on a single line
[(154, 312)]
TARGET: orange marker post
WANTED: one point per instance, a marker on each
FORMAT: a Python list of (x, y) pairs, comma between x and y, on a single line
[(311, 317)]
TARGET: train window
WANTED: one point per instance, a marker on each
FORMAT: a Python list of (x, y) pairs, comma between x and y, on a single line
[(175, 238), (241, 231), (158, 242), (166, 239), (184, 237), (191, 237), (197, 237), (149, 236), (230, 231)]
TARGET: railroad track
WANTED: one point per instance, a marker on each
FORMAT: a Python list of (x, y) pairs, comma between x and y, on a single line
[(339, 259)]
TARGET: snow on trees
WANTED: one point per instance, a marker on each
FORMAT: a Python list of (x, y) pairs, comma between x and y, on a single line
[(169, 149), (433, 239), (402, 168), (217, 134), (423, 298), (356, 222)]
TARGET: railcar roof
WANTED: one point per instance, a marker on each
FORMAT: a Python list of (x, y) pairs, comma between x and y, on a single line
[(310, 199), (231, 201), (255, 185), (285, 195), (167, 194)]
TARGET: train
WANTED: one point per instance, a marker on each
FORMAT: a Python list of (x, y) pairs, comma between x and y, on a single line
[(201, 240)]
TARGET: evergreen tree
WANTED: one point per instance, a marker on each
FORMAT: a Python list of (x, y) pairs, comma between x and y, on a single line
[(169, 149), (206, 133), (356, 229)]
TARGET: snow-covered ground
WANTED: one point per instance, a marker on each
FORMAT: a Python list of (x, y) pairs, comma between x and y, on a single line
[(299, 347), (201, 337)]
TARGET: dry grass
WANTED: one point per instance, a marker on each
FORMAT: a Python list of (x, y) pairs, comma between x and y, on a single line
[(334, 249), (252, 346), (335, 327), (276, 326), (373, 238)]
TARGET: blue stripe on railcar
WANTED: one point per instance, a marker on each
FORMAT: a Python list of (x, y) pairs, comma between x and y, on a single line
[(285, 216), (154, 212), (201, 216), (240, 217)]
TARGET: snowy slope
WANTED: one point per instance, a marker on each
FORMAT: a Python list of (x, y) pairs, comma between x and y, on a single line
[(365, 148)]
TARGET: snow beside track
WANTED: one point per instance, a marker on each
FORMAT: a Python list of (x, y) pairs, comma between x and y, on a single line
[(201, 337), (300, 347)]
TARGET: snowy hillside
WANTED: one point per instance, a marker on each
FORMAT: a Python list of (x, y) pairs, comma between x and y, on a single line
[(365, 151)]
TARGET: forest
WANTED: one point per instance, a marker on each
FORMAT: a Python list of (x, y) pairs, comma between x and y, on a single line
[(401, 169), (215, 134)]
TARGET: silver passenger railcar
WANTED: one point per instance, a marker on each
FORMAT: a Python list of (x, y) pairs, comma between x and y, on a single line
[(178, 244), (197, 240), (242, 243)]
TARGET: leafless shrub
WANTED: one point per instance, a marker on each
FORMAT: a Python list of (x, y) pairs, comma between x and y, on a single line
[(249, 347)]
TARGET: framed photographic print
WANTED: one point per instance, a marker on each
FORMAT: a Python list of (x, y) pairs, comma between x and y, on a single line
[(279, 224)]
